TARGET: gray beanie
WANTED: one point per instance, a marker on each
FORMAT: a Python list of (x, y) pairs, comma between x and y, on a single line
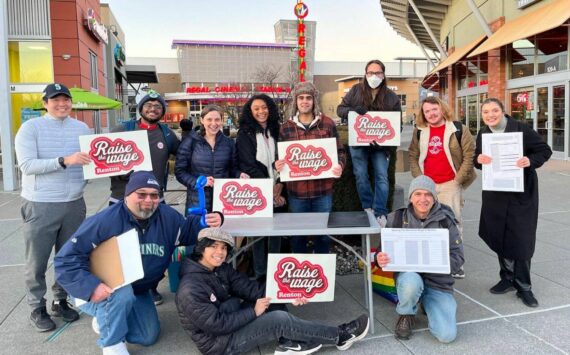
[(301, 88), (422, 182)]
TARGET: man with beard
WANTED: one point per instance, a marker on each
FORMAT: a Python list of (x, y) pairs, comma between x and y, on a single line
[(162, 142), (128, 313)]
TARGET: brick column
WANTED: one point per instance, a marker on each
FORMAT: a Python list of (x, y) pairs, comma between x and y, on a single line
[(497, 66)]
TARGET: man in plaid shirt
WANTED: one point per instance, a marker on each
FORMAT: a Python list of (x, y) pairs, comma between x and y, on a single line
[(307, 122)]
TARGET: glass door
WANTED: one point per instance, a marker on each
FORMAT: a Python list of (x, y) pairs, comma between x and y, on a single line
[(551, 116)]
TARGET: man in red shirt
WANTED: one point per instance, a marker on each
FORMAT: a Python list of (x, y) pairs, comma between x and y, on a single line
[(443, 150)]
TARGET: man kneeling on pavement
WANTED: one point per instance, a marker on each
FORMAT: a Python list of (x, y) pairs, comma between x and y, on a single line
[(433, 291), (226, 313), (127, 314)]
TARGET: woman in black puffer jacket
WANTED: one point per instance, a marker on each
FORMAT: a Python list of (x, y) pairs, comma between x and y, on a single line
[(207, 153)]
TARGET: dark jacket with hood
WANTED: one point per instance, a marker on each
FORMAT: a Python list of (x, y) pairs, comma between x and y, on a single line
[(508, 219), (440, 216), (196, 157), (202, 297), (246, 145)]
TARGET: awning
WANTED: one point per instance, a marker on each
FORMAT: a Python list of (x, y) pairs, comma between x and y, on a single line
[(540, 20), (141, 74), (458, 54), (430, 80)]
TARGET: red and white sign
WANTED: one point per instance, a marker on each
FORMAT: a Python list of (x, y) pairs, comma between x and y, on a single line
[(308, 159), (382, 127), (292, 276), (243, 197), (115, 153)]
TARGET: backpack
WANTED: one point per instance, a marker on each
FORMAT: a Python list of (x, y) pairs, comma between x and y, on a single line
[(458, 125)]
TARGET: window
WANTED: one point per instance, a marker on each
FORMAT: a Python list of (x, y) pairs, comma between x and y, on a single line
[(30, 62), (93, 70), (521, 58), (403, 101)]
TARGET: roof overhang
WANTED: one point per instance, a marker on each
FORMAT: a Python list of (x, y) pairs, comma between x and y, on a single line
[(141, 74), (399, 13)]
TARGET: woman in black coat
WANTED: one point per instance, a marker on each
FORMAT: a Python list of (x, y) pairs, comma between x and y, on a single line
[(256, 145), (508, 219), (207, 153)]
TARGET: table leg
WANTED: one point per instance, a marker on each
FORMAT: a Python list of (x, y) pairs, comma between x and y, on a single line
[(368, 279)]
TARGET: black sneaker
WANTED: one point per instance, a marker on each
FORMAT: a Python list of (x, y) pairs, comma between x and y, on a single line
[(348, 333), (41, 320), (156, 297), (502, 286), (61, 309), (290, 347), (459, 275)]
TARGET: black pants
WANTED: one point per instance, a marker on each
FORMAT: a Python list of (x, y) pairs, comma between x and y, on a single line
[(516, 271)]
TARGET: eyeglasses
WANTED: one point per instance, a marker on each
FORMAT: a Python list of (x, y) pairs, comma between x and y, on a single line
[(154, 106), (143, 195), (377, 73)]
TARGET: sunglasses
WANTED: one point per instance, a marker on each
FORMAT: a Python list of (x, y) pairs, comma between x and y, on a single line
[(143, 195)]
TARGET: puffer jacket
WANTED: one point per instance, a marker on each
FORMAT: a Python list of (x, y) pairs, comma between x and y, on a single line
[(200, 301), (439, 216), (196, 157)]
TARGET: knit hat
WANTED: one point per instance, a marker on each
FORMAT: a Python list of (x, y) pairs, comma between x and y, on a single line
[(422, 182), (139, 180), (152, 95), (217, 234), (304, 88)]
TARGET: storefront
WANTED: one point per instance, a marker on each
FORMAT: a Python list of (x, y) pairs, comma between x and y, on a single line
[(514, 51)]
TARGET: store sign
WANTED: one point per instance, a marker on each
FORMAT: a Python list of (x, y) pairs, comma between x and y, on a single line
[(98, 30), (301, 11), (551, 66), (119, 55), (27, 88), (234, 88), (521, 4)]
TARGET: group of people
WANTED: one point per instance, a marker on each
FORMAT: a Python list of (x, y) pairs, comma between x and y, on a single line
[(224, 311)]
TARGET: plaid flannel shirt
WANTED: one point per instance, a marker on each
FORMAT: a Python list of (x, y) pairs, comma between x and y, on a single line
[(321, 127)]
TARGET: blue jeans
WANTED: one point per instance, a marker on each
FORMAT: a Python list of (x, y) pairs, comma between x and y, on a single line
[(272, 326), (377, 200), (260, 256), (125, 316), (316, 204), (440, 306)]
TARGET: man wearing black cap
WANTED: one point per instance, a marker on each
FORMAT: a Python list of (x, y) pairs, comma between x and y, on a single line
[(127, 314), (47, 149)]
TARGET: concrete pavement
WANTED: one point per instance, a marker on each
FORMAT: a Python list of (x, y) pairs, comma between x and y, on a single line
[(488, 323)]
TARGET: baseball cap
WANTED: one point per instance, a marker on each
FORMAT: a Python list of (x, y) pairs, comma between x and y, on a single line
[(52, 90)]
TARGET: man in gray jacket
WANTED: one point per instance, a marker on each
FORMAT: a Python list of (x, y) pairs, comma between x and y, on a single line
[(433, 291), (47, 149)]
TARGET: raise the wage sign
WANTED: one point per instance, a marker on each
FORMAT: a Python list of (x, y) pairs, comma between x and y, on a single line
[(309, 159), (382, 127)]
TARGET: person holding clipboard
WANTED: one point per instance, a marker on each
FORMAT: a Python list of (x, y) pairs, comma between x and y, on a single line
[(508, 219)]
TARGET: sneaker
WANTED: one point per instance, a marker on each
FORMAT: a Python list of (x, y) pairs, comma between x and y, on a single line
[(459, 275), (95, 326), (117, 349), (156, 297), (349, 333), (61, 309), (404, 326), (528, 298), (381, 221), (502, 286), (290, 347), (41, 320)]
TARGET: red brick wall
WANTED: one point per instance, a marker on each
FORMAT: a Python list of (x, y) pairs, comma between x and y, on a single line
[(71, 36), (497, 75)]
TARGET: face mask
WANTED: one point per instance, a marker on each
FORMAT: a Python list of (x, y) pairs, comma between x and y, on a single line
[(374, 81)]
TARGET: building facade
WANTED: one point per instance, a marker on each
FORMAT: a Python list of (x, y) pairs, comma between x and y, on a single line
[(516, 51)]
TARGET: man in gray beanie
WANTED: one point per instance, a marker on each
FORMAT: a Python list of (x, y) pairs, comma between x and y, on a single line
[(307, 122), (434, 291)]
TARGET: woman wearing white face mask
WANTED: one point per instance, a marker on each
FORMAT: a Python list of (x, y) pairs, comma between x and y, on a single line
[(372, 94)]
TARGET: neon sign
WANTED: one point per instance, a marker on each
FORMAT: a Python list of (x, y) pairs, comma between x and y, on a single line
[(301, 11)]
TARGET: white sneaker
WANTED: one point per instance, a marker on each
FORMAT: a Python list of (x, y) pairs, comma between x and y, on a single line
[(95, 325), (117, 349), (381, 221)]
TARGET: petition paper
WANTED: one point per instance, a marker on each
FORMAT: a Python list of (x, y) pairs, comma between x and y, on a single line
[(503, 174), (417, 250)]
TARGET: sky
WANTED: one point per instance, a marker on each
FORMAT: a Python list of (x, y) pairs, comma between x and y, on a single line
[(347, 30)]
